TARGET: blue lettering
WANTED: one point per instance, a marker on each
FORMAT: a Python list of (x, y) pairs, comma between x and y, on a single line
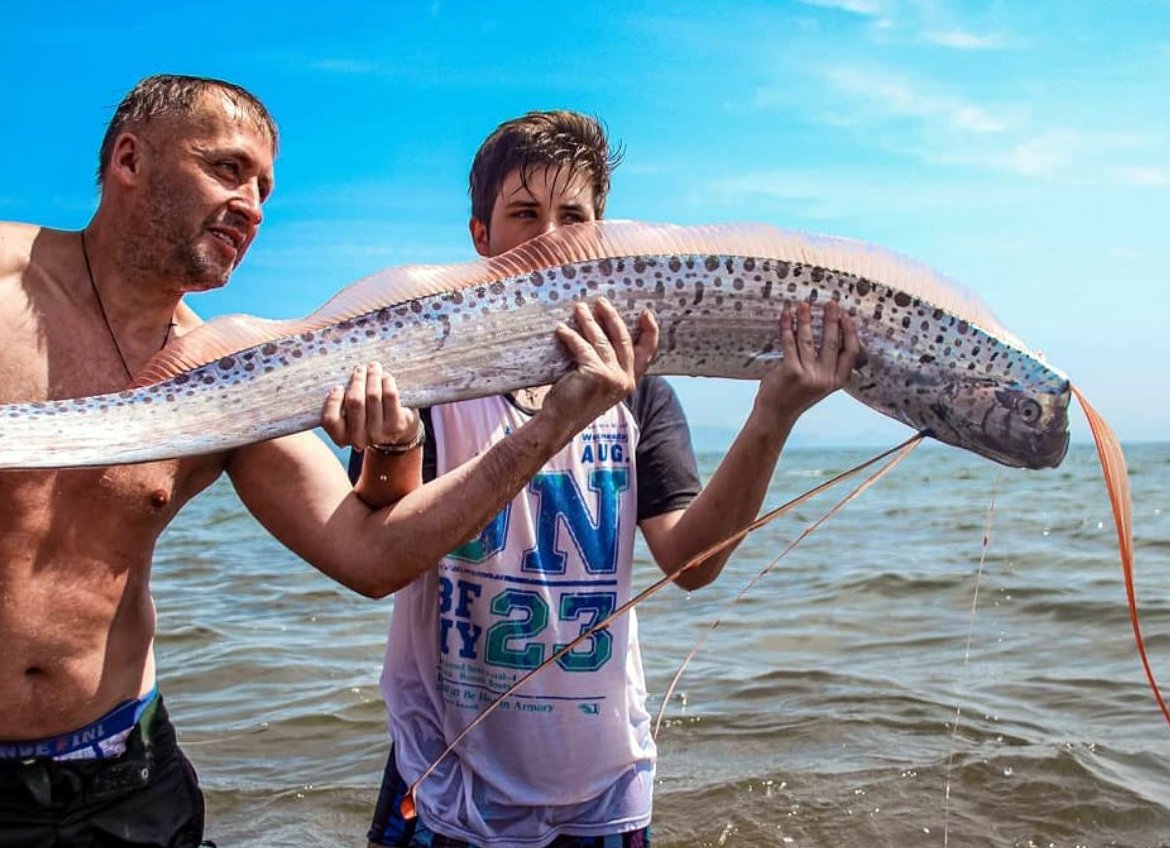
[(488, 543), (468, 635), (534, 611), (561, 501)]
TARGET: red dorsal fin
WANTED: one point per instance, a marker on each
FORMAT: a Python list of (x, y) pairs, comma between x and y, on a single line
[(580, 243)]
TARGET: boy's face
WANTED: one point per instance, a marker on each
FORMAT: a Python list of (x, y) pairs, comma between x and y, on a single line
[(552, 198)]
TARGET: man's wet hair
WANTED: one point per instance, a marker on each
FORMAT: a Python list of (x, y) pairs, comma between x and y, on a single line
[(567, 141), (178, 96)]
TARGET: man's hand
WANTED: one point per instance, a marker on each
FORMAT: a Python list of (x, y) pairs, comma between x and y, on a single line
[(807, 374), (608, 362), (366, 411)]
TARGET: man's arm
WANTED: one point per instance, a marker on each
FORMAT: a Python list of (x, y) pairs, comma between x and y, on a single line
[(297, 489), (732, 498)]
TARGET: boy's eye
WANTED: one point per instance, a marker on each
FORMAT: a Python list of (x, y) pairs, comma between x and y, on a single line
[(227, 166)]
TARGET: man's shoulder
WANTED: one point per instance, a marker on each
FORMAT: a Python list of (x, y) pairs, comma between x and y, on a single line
[(16, 245)]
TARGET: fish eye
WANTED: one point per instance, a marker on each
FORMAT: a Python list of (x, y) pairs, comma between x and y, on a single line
[(1029, 410)]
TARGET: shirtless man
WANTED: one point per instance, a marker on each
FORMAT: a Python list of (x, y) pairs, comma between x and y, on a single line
[(87, 755)]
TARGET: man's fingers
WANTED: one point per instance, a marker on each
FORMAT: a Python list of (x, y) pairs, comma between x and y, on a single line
[(850, 350), (646, 348), (375, 420), (332, 421), (804, 336), (617, 334), (788, 336), (581, 351), (591, 331), (830, 334)]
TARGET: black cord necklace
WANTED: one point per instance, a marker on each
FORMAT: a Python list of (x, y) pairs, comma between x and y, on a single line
[(106, 318)]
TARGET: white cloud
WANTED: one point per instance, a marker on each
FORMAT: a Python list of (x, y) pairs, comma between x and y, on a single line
[(1145, 176), (962, 40), (867, 8), (901, 97)]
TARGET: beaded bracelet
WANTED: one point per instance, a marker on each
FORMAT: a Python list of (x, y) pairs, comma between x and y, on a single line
[(393, 448)]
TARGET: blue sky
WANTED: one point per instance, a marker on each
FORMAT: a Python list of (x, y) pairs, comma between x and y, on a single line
[(1020, 148)]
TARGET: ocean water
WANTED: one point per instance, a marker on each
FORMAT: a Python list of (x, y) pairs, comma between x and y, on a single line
[(891, 682)]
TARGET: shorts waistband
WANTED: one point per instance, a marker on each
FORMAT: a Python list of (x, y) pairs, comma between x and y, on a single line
[(100, 739)]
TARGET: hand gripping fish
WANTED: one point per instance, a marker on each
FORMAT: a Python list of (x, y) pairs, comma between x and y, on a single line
[(934, 357)]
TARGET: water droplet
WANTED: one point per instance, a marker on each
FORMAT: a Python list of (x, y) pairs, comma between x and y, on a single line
[(1007, 771)]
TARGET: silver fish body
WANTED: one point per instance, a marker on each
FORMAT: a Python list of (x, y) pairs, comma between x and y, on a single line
[(449, 333)]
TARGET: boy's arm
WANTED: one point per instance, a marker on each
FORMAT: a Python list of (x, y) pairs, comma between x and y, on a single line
[(732, 498)]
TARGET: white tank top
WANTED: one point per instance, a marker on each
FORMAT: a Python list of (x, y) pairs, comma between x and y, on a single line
[(570, 752)]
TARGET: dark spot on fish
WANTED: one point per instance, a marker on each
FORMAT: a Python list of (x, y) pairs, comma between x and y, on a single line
[(926, 359), (938, 315), (877, 312), (660, 289), (737, 284), (902, 299), (586, 268), (553, 294), (975, 351), (305, 337), (296, 353), (690, 262), (698, 293), (749, 264), (171, 397), (208, 380), (767, 293), (568, 271), (675, 264), (863, 287), (605, 266), (791, 287), (371, 332), (818, 274), (924, 326), (964, 327), (939, 339), (781, 270), (180, 379), (639, 265), (812, 297), (906, 322), (519, 297), (867, 387), (711, 263)]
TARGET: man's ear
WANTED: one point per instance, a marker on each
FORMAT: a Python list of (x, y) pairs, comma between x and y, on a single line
[(126, 158), (479, 236)]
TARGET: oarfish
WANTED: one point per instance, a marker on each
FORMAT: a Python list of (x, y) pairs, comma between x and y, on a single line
[(935, 357)]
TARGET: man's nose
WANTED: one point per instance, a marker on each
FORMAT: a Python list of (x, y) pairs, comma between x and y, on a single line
[(247, 203)]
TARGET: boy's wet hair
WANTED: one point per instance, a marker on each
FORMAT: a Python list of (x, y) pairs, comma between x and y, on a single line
[(178, 96), (564, 140)]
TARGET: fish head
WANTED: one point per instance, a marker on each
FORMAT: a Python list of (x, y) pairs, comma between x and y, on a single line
[(1019, 421), (1022, 426)]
